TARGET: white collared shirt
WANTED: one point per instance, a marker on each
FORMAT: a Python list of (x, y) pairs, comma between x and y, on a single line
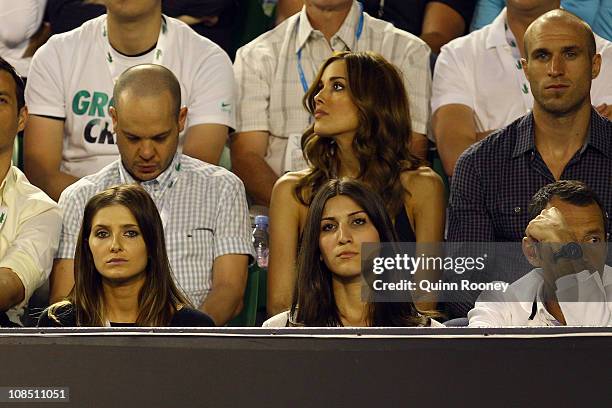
[(585, 299), (29, 234), (270, 92), (480, 72)]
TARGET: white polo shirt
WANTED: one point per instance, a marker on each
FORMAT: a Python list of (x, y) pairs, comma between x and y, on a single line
[(481, 72)]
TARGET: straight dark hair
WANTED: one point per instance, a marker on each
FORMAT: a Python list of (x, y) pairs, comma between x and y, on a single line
[(314, 303), (159, 298), (571, 191)]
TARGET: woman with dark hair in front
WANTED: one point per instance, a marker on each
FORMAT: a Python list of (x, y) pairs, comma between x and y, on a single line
[(343, 215), (361, 130), (122, 273)]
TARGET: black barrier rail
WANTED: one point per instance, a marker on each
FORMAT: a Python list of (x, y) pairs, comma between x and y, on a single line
[(32, 332), (294, 367)]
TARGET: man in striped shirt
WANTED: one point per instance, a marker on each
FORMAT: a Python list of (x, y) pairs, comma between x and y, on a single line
[(274, 71)]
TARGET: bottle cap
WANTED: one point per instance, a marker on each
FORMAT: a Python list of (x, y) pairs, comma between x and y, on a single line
[(261, 220)]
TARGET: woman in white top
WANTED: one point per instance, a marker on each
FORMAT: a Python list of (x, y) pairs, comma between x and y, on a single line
[(343, 215)]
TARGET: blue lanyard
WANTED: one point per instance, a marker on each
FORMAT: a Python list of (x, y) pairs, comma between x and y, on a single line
[(358, 32)]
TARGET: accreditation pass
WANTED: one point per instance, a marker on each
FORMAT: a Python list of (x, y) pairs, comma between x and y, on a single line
[(34, 394)]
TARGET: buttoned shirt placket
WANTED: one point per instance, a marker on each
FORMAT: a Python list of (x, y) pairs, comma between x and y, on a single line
[(159, 188)]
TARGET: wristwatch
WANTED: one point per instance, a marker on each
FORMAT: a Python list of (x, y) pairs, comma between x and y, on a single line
[(571, 250)]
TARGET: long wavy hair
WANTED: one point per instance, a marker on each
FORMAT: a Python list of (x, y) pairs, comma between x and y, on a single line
[(314, 303), (159, 298), (382, 139)]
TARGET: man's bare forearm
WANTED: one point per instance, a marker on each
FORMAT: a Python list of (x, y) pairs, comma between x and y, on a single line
[(53, 184), (451, 150), (222, 304), (12, 291), (257, 176)]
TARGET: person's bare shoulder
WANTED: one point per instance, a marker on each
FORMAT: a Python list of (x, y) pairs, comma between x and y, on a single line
[(284, 192), (285, 185), (290, 179), (422, 183)]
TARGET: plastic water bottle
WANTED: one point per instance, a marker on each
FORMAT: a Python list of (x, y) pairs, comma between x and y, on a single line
[(260, 240)]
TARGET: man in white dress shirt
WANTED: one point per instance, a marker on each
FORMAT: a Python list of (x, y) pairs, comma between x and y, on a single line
[(566, 242), (29, 220)]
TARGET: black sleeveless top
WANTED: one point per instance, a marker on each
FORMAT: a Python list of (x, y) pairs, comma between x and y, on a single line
[(403, 228), (66, 314)]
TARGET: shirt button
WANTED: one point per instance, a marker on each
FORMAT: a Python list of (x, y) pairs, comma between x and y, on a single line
[(517, 209)]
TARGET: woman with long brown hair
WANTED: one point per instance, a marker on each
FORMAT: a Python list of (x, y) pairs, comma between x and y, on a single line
[(122, 273), (361, 130)]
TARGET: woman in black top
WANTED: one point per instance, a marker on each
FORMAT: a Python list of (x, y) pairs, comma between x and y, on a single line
[(344, 215), (122, 272)]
